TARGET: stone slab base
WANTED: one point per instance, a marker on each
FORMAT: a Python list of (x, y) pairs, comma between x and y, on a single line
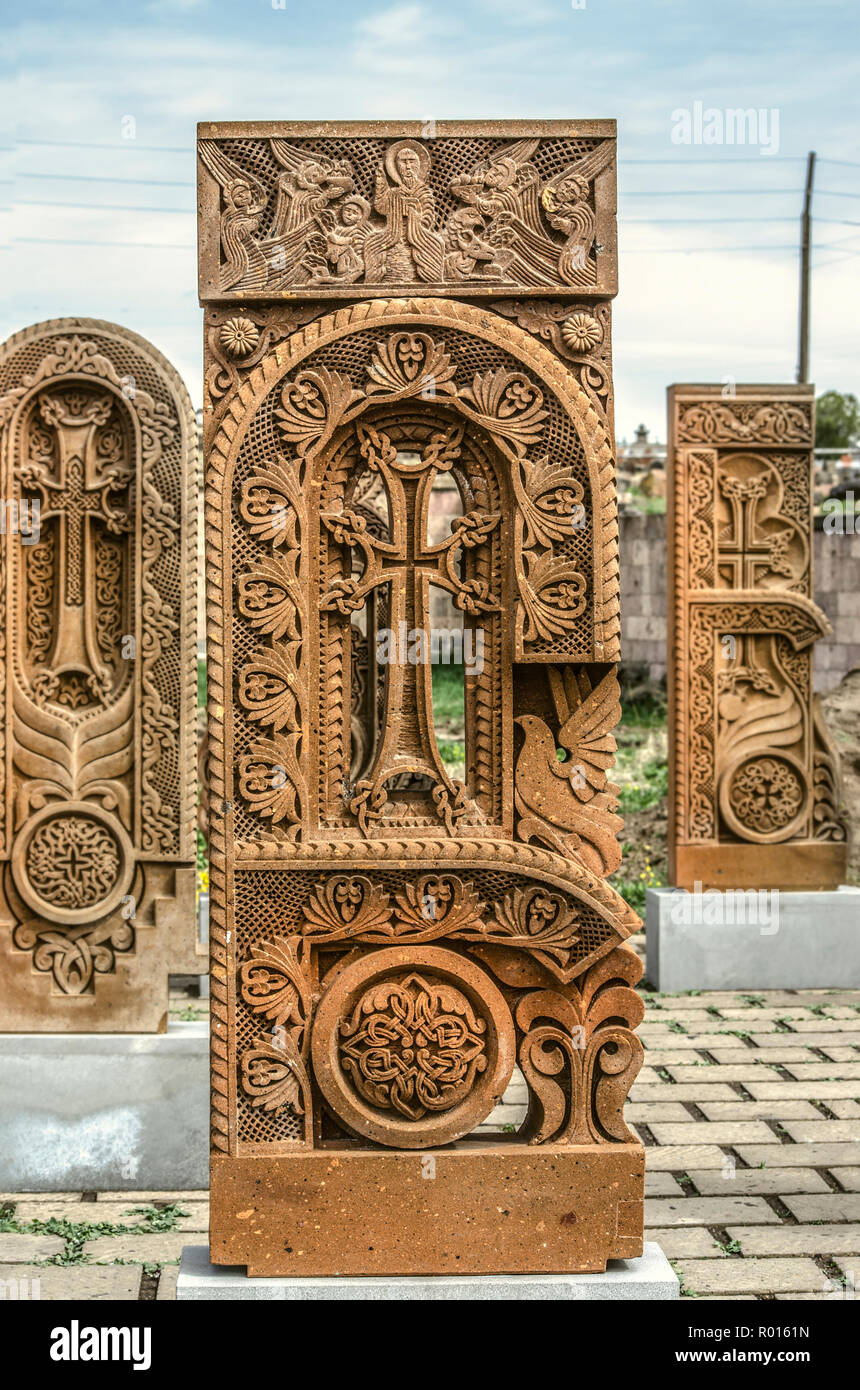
[(648, 1277), (468, 1208), (105, 1112), (800, 866), (752, 940)]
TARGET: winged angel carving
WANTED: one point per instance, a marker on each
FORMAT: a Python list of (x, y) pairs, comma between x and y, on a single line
[(512, 226)]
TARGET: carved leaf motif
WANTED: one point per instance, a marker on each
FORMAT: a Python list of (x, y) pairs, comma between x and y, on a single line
[(537, 917), (580, 1055), (275, 1078), (312, 407), (612, 1062), (553, 596), (548, 1023), (73, 759), (271, 505), (509, 404), (343, 907), (550, 498), (269, 598), (439, 902), (268, 689), (270, 779), (274, 983), (410, 364)]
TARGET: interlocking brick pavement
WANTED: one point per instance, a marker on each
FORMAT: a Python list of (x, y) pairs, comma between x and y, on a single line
[(749, 1109)]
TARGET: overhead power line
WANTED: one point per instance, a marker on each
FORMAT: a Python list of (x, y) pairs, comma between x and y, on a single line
[(100, 178)]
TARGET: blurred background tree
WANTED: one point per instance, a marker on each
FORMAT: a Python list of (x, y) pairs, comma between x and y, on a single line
[(837, 420)]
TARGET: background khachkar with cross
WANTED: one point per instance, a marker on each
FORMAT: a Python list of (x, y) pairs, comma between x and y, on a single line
[(97, 680), (391, 934), (753, 789)]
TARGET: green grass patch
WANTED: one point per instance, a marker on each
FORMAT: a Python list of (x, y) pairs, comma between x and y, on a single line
[(154, 1221), (449, 695), (639, 796)]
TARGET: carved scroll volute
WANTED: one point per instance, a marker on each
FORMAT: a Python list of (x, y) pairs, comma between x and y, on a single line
[(580, 1055)]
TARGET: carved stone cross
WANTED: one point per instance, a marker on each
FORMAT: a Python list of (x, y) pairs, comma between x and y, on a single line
[(409, 565), (744, 551), (75, 494), (388, 941)]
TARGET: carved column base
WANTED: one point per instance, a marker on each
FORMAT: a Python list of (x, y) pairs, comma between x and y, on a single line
[(470, 1208)]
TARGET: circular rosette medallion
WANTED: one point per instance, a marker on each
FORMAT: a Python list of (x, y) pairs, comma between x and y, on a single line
[(73, 863), (412, 1047), (765, 797)]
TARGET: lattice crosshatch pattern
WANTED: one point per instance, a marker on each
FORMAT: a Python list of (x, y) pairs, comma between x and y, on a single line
[(754, 791), (391, 935), (98, 672)]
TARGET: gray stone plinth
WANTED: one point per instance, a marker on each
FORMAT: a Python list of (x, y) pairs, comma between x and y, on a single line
[(752, 940), (105, 1111), (650, 1277)]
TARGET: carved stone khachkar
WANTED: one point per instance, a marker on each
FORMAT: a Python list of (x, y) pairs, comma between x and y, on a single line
[(388, 937), (98, 682), (753, 786)]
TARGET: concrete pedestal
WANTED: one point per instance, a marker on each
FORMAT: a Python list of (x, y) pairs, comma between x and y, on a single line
[(105, 1112), (752, 939), (649, 1277)]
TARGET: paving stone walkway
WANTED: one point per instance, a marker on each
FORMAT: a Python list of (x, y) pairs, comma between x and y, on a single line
[(749, 1109)]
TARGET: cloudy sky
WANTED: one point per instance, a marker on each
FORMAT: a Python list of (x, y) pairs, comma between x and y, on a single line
[(107, 95)]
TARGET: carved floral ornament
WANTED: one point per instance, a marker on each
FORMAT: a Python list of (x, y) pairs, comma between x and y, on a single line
[(744, 422), (414, 1045)]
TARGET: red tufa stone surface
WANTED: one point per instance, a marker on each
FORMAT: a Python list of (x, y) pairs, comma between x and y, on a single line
[(389, 937), (468, 1208)]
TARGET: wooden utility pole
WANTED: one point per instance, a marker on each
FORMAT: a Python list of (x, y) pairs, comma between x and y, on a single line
[(805, 251)]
